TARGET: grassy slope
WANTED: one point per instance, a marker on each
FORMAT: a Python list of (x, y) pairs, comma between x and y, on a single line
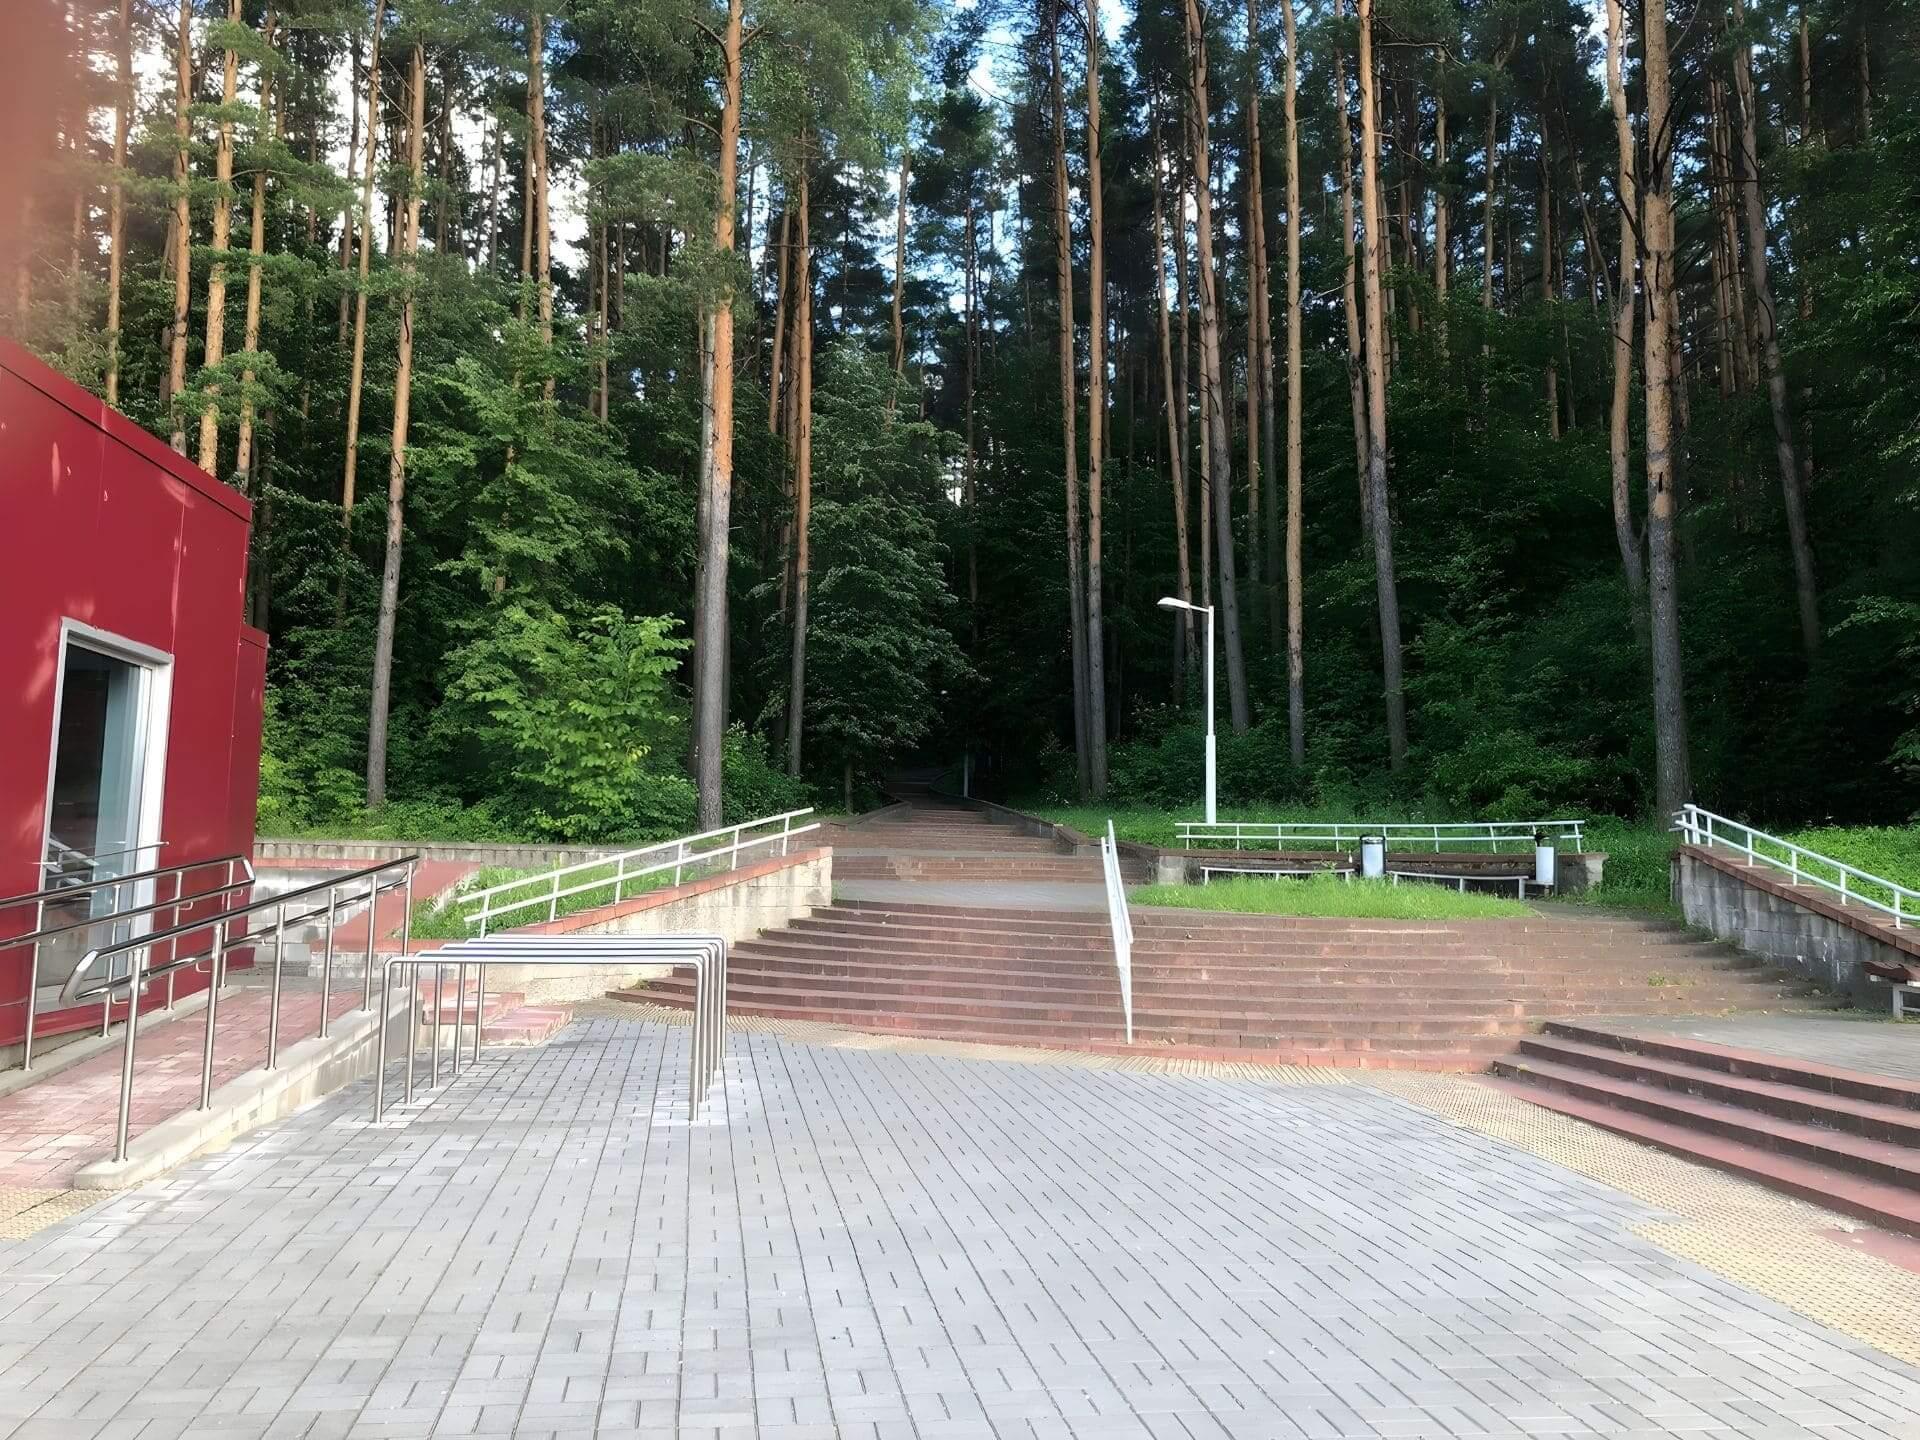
[(1358, 899), (449, 923)]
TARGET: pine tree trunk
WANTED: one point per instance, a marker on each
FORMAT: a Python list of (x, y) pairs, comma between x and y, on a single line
[(543, 216), (802, 385), (900, 281), (1389, 597), (1296, 608), (217, 276), (182, 232), (1669, 702), (1096, 420), (1259, 345), (1768, 330), (357, 372), (346, 209), (1184, 629), (712, 633), (397, 466), (256, 251), (123, 103), (1356, 386), (1440, 200), (1623, 308), (1212, 382), (1069, 388), (493, 197), (784, 265)]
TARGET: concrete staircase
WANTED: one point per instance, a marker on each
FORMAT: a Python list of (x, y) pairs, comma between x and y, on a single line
[(1843, 1139), (1245, 987), (935, 839)]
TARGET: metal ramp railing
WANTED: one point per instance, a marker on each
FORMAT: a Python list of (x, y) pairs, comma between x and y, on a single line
[(706, 954), (141, 970)]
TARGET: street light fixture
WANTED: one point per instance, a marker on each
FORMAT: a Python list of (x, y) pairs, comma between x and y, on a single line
[(1170, 603)]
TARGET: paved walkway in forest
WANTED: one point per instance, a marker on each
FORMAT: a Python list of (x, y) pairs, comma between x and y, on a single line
[(875, 1243)]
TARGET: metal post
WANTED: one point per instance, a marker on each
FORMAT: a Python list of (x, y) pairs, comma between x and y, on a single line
[(126, 1069), (479, 1009), (619, 874), (380, 1040), (373, 903), (1213, 785), (413, 1023), (273, 1003), (734, 863), (459, 1009), (679, 859), (786, 829), (439, 973), (326, 968), (213, 1009), (406, 912), (33, 983)]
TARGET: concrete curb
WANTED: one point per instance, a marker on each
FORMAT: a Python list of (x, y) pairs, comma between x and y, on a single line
[(308, 1070)]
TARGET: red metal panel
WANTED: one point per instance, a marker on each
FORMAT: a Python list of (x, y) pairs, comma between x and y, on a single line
[(102, 524)]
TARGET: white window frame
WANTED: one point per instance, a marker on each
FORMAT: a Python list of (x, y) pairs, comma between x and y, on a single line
[(155, 713)]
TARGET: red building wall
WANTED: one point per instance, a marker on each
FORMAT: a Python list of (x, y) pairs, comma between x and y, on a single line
[(103, 524)]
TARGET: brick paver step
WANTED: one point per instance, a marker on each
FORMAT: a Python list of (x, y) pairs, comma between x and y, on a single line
[(1895, 1206), (1896, 1124), (1767, 1066), (1881, 1161)]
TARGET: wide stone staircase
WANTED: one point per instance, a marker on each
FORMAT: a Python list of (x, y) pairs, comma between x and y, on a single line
[(1223, 986), (947, 840), (1845, 1139)]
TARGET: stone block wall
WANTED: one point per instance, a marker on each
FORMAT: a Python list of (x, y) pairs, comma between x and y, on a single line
[(1808, 934)]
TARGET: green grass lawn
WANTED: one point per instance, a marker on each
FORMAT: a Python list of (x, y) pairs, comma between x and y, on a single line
[(1327, 896)]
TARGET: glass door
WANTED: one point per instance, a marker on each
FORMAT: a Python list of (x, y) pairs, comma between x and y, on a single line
[(95, 807)]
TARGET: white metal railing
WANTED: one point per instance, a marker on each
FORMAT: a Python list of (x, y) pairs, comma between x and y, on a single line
[(1122, 924), (1804, 866), (482, 907), (1404, 835)]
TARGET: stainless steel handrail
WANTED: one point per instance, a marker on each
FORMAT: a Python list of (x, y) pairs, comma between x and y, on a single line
[(681, 857), (178, 901), (139, 975), (132, 877), (1120, 921), (74, 855), (705, 952)]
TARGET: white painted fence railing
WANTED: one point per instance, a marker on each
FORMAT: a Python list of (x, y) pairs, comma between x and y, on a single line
[(1122, 924), (1802, 866), (729, 843), (1403, 835)]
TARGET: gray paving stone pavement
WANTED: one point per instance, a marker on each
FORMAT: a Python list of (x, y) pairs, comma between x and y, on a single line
[(871, 1244)]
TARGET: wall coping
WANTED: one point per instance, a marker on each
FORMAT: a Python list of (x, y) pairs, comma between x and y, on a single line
[(655, 899), (1807, 897), (278, 852)]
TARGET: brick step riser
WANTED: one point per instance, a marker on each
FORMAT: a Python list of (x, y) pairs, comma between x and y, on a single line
[(1658, 1104), (1781, 1070), (1082, 926), (1723, 1089), (944, 955), (1150, 921), (1282, 929), (1108, 1037), (1097, 1016), (1285, 1005), (1017, 970)]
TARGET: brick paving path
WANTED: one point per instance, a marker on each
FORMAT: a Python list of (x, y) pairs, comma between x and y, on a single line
[(880, 1244), (57, 1125)]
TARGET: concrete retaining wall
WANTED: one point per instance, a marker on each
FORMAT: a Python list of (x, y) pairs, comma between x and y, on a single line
[(738, 904), (372, 852), (1807, 933)]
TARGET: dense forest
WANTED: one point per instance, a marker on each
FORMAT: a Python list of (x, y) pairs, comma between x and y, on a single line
[(657, 410)]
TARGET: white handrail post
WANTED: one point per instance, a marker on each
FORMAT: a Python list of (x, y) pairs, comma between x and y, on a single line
[(679, 859), (619, 874)]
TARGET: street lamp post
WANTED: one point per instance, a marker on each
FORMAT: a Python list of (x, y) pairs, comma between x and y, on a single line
[(1213, 770)]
